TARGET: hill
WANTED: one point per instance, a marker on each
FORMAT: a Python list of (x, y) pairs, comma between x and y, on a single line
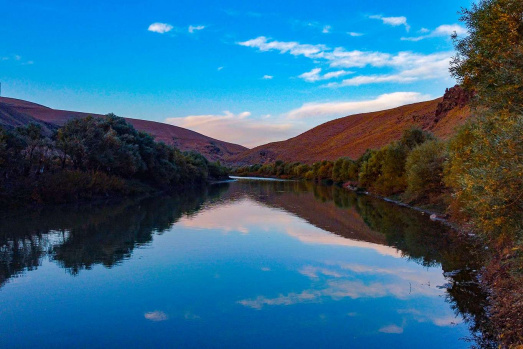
[(15, 112), (352, 135)]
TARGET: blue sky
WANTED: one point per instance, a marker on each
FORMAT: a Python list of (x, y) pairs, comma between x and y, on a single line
[(246, 72)]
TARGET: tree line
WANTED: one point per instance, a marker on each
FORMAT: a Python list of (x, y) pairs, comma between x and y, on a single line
[(93, 157), (411, 167)]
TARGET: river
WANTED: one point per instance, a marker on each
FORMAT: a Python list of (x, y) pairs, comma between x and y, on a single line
[(245, 264)]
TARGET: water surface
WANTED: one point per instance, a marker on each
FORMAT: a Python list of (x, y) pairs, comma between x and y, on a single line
[(253, 264)]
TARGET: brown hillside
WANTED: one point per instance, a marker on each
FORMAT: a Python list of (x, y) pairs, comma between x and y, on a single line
[(352, 135), (15, 112)]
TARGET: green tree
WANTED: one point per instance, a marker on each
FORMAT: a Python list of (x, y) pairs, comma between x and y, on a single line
[(489, 61), (424, 169)]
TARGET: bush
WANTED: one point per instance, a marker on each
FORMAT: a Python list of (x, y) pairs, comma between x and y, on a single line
[(486, 170), (424, 169)]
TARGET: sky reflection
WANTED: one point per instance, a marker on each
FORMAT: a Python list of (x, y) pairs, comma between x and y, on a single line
[(241, 272)]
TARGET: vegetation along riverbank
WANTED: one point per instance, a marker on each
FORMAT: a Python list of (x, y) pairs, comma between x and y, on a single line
[(93, 157)]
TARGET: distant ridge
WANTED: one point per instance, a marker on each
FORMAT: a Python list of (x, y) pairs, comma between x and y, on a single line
[(347, 136), (352, 135), (16, 112)]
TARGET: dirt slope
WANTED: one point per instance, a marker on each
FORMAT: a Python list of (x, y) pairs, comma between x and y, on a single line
[(15, 112), (352, 135)]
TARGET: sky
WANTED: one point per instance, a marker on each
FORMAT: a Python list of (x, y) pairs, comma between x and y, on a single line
[(241, 71)]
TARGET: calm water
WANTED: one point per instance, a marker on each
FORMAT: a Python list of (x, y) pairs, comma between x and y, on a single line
[(250, 264)]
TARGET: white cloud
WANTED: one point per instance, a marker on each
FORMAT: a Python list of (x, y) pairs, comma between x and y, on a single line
[(445, 30), (355, 34), (326, 29), (393, 21), (407, 66), (160, 28), (314, 75), (292, 47), (449, 29), (193, 28), (236, 128), (156, 316), (219, 68), (337, 109), (267, 77), (410, 67)]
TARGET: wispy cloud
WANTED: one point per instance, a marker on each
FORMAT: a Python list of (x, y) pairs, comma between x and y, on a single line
[(445, 30), (267, 77), (354, 34), (313, 25), (391, 329), (393, 21), (193, 28), (407, 66), (314, 75), (410, 67), (160, 28), (18, 59), (294, 48), (237, 128), (342, 108)]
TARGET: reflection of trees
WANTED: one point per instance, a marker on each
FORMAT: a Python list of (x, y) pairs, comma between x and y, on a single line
[(418, 238), (20, 253), (78, 237)]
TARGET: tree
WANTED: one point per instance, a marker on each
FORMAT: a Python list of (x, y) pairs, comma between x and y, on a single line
[(489, 61), (486, 156), (415, 136), (424, 169), (486, 171)]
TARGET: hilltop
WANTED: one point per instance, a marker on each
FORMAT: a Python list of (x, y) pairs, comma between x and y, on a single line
[(352, 135), (16, 112)]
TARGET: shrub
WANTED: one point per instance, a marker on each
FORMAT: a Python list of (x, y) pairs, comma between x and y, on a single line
[(424, 169)]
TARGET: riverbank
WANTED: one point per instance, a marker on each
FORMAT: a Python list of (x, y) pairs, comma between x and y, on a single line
[(77, 187)]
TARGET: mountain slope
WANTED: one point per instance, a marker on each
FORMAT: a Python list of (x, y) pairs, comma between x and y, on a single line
[(352, 135), (15, 112)]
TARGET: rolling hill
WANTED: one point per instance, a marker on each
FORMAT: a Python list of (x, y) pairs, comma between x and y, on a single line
[(15, 112), (352, 135), (347, 136)]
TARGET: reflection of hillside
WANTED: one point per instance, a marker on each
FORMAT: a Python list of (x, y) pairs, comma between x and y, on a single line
[(82, 236), (363, 218), (360, 217), (325, 214)]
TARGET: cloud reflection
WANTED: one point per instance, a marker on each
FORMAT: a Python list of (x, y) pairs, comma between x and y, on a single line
[(156, 316), (391, 329), (256, 216)]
